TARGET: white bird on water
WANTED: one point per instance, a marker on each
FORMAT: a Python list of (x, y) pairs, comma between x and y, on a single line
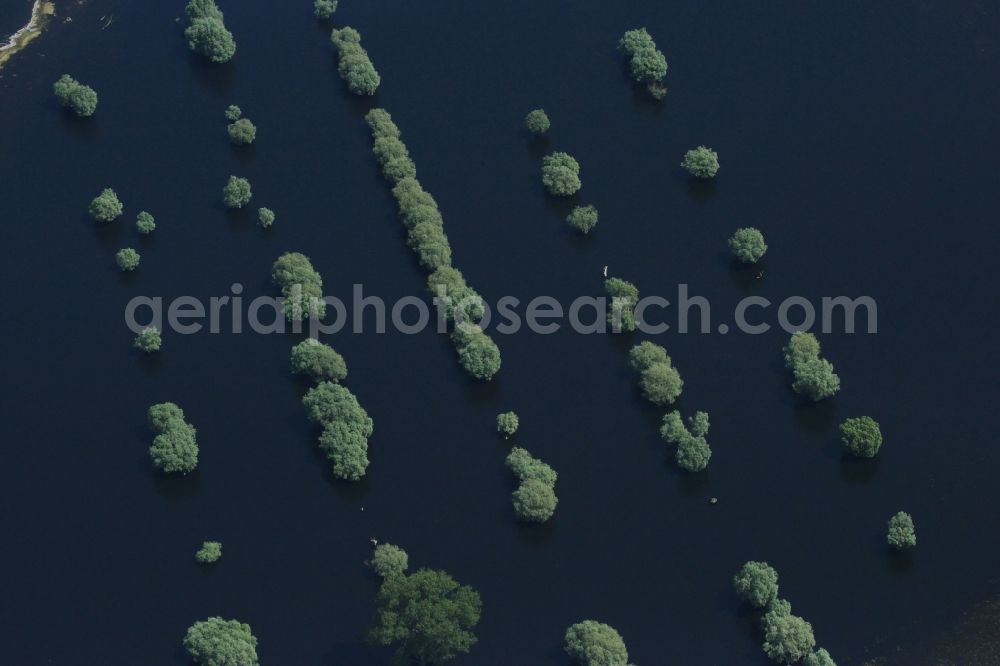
[(605, 271)]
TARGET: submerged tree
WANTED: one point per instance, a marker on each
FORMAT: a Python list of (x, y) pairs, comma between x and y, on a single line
[(660, 382), (757, 584), (861, 436), (355, 67), (324, 9), (537, 122), (459, 301), (106, 207), (127, 259), (901, 534), (747, 245), (242, 132), (812, 376), (477, 352), (148, 340), (174, 448), (646, 63), (787, 638), (592, 643), (561, 174), (428, 615), (233, 113), (389, 560), (507, 423), (265, 217), (693, 452), (535, 498), (218, 642), (73, 95), (210, 552), (346, 428), (236, 193), (207, 34), (144, 223), (301, 286), (819, 658), (583, 218), (701, 162), (624, 297), (319, 361)]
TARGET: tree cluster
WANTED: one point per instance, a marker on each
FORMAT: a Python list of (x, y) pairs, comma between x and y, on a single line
[(218, 642), (537, 122), (346, 428), (812, 375), (301, 286), (355, 67), (693, 452), (624, 297), (144, 223), (535, 498), (592, 643), (561, 174), (324, 9), (73, 95), (659, 380), (149, 340), (174, 448), (583, 218), (242, 132), (127, 259), (319, 361), (646, 63), (389, 560), (206, 33)]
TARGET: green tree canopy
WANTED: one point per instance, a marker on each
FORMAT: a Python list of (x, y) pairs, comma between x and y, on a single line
[(301, 286), (812, 376), (148, 340), (324, 9), (428, 615), (693, 452), (624, 297), (106, 207), (236, 193), (592, 643), (534, 501), (561, 174), (659, 381), (747, 245), (583, 218), (206, 33), (701, 162), (646, 354), (73, 95), (819, 658), (174, 448), (460, 301), (355, 66), (861, 436), (537, 122), (242, 132), (144, 223), (346, 428), (526, 467), (389, 560), (218, 642), (210, 552), (757, 584), (901, 534), (788, 639), (477, 352), (127, 259), (321, 362), (265, 217), (507, 423), (233, 113)]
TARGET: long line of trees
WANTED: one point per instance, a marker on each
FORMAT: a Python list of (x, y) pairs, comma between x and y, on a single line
[(419, 213)]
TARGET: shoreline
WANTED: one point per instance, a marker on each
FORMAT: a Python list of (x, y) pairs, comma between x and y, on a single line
[(41, 12)]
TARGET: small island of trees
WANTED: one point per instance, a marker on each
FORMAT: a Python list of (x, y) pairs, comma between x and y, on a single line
[(389, 560), (301, 287), (561, 174), (346, 428), (507, 423), (646, 63), (901, 533), (265, 217), (861, 436), (583, 218), (624, 297), (592, 643), (693, 452), (659, 380), (174, 448), (701, 162), (209, 553), (237, 192), (537, 122), (206, 33), (106, 207), (144, 223), (149, 340), (535, 498), (812, 376), (127, 259), (747, 245), (73, 95), (242, 132), (218, 642), (355, 67)]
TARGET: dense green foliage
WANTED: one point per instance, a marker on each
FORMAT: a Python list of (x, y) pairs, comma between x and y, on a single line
[(624, 297), (477, 353), (236, 193), (535, 498), (428, 615), (233, 113), (78, 98), (148, 340), (301, 286), (242, 132), (591, 643), (819, 658), (218, 642), (389, 560), (206, 33), (106, 207), (583, 218), (319, 361), (757, 584), (701, 162), (507, 423), (561, 174), (346, 428), (144, 223), (324, 9), (812, 376), (693, 452), (537, 122), (460, 301), (174, 448), (265, 217), (901, 533), (787, 638), (210, 551), (646, 63), (861, 436), (660, 382), (127, 259), (355, 66), (747, 245)]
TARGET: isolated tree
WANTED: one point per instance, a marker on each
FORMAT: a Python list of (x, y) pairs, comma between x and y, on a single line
[(233, 113), (73, 95), (127, 259), (507, 423), (301, 286), (324, 9), (236, 193), (428, 615), (389, 560), (583, 218), (537, 122), (218, 642), (861, 436), (534, 501), (210, 551), (207, 34), (174, 448), (592, 643), (788, 639), (144, 223), (106, 207), (148, 340), (701, 162), (319, 361), (757, 584), (265, 217), (561, 174), (819, 658), (242, 132), (747, 245), (901, 534)]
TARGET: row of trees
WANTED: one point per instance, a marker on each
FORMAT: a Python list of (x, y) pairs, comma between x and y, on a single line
[(174, 448), (418, 211), (624, 297), (301, 286), (355, 67), (535, 498), (206, 33), (812, 375), (788, 639), (75, 96), (646, 63)]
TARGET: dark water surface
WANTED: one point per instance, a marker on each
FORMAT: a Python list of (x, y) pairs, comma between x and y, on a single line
[(860, 137), (13, 15)]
